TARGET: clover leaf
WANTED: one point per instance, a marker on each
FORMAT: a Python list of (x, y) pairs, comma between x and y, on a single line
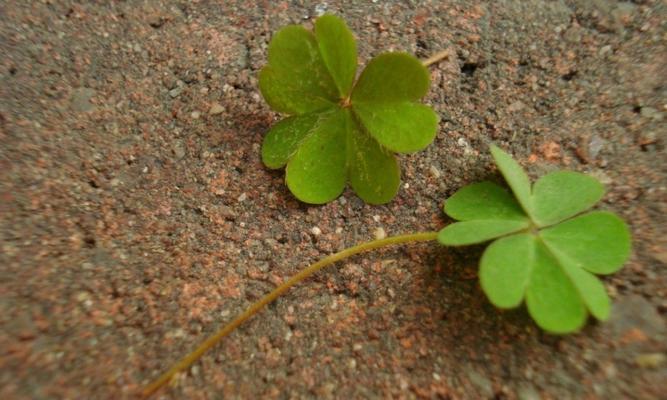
[(338, 131), (546, 251)]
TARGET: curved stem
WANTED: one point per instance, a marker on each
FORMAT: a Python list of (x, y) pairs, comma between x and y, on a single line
[(188, 360), (437, 57)]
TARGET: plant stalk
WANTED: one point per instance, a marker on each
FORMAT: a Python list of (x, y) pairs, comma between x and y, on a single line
[(437, 57), (188, 360)]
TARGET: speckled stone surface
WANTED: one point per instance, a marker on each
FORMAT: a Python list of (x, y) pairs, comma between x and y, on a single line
[(136, 216)]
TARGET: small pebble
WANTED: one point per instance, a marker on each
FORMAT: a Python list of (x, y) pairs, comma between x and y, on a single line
[(604, 50), (551, 151), (380, 233), (648, 137), (242, 197), (85, 299), (9, 249), (316, 231), (435, 172), (516, 106), (179, 150), (216, 109), (650, 360), (175, 92), (195, 114), (651, 113), (321, 8), (467, 149), (595, 146), (602, 177)]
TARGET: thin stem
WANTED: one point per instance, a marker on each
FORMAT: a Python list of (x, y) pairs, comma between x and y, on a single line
[(437, 57), (188, 360)]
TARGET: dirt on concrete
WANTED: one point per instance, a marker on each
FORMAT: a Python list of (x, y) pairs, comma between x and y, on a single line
[(136, 216)]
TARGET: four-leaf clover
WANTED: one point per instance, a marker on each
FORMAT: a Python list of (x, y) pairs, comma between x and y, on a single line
[(546, 252), (340, 131)]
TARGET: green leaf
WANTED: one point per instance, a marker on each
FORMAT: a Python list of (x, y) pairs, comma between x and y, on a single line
[(557, 295), (562, 194), (384, 101), (552, 299), (505, 269), (392, 77), (330, 139), (296, 80), (284, 138), (515, 177), (479, 231), (339, 51), (317, 171), (598, 242), (402, 127), (589, 288), (374, 172), (484, 200), (551, 267)]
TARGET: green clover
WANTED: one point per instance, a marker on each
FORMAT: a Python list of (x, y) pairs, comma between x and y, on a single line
[(339, 131), (545, 252)]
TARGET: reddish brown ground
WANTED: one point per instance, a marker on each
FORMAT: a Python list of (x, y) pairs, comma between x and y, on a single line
[(136, 216)]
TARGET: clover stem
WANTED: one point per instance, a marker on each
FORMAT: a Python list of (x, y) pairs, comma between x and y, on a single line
[(188, 360), (437, 57)]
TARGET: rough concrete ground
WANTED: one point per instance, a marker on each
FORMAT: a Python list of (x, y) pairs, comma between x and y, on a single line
[(136, 216)]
